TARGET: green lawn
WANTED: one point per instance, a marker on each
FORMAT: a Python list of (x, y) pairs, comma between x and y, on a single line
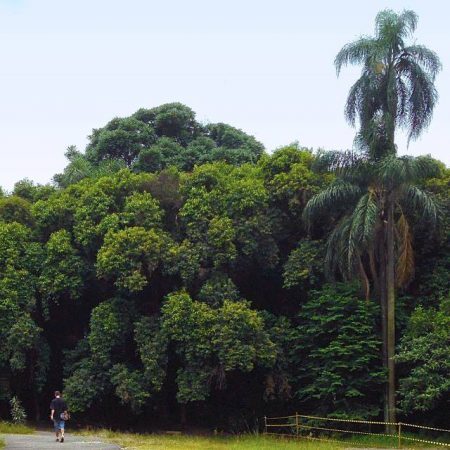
[(2, 443)]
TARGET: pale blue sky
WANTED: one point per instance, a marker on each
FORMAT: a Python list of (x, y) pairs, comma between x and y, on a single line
[(263, 66)]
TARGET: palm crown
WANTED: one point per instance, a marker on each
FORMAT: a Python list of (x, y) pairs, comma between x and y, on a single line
[(359, 197), (396, 87)]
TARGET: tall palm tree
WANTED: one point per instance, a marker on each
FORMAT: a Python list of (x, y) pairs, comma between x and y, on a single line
[(396, 86), (375, 195)]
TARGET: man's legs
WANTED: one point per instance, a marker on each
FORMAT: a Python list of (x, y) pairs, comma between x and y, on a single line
[(57, 430), (62, 423)]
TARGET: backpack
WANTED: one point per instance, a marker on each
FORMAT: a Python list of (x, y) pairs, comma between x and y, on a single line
[(65, 415)]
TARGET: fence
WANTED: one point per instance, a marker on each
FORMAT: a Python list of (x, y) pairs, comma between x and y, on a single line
[(347, 431)]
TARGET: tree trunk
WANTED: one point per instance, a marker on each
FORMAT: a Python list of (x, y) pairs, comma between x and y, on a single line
[(390, 297), (365, 279)]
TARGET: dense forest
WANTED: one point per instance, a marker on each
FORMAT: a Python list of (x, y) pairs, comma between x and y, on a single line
[(176, 272)]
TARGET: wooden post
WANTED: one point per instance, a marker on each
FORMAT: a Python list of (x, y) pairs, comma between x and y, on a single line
[(399, 435), (265, 424), (296, 424)]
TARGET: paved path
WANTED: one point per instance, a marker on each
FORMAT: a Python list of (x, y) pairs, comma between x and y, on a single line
[(46, 440)]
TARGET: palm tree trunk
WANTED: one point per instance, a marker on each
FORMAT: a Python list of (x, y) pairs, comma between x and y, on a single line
[(390, 297)]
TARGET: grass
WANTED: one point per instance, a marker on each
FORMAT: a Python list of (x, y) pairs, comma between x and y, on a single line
[(2, 443), (244, 442), (181, 442), (11, 428)]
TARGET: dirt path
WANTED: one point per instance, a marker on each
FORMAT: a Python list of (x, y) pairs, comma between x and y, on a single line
[(46, 440)]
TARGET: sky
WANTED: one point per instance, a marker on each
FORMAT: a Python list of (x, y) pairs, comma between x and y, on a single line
[(266, 67)]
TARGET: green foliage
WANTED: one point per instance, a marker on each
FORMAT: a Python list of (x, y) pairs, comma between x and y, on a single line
[(198, 282), (18, 414), (15, 209), (22, 337), (32, 192), (142, 210), (63, 271), (81, 167), (88, 383), (290, 177), (173, 120), (304, 265), (212, 342), (109, 326), (424, 352), (130, 256), (152, 347), (337, 354), (166, 152), (129, 387), (229, 137), (54, 213), (217, 289), (279, 379), (229, 206), (154, 139), (220, 238), (19, 263), (120, 139)]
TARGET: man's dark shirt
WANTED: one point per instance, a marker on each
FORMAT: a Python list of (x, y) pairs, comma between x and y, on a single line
[(59, 405)]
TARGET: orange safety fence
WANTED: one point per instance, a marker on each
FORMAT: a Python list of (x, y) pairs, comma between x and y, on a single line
[(344, 431)]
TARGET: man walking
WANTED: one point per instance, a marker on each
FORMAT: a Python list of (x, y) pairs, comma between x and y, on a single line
[(58, 409)]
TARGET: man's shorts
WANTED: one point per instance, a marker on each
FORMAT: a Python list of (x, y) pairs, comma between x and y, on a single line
[(59, 424)]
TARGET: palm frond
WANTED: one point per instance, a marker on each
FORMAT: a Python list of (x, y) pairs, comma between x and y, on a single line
[(338, 193), (336, 256), (393, 171), (388, 28), (428, 59), (361, 99), (408, 20), (363, 224), (376, 134), (402, 100), (392, 28), (336, 161), (421, 97), (423, 203), (355, 52), (405, 259)]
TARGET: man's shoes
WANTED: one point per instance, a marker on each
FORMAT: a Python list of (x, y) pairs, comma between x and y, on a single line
[(57, 439), (62, 440)]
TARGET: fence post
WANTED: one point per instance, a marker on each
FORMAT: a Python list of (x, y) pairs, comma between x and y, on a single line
[(399, 435), (265, 424), (296, 424)]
